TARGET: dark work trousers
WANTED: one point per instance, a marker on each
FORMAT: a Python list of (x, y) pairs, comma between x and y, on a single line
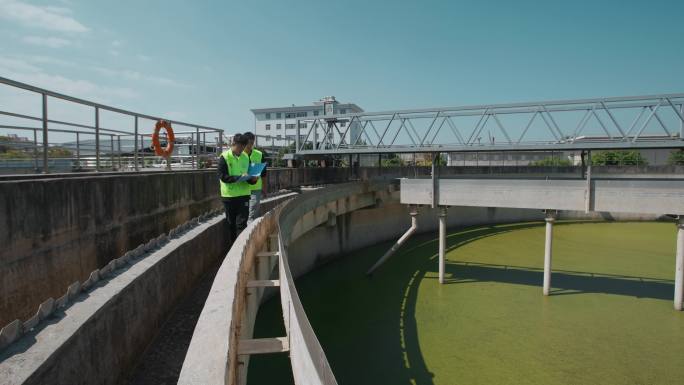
[(237, 211)]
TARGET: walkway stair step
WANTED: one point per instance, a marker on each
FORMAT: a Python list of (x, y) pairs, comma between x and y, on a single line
[(263, 345)]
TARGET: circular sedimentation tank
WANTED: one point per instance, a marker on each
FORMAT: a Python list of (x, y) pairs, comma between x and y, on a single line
[(608, 320)]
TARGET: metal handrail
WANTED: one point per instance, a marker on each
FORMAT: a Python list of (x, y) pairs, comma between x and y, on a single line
[(73, 99), (197, 136)]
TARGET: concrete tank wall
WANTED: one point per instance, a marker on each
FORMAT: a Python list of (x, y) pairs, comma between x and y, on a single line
[(388, 221), (56, 231)]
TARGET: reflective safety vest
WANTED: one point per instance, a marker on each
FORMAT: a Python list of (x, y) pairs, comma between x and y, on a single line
[(236, 167), (255, 157)]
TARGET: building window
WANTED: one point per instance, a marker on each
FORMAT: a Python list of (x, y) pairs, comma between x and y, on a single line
[(289, 115), (343, 111), (302, 125), (301, 114), (316, 112), (279, 126), (279, 115), (315, 125), (289, 125), (268, 126), (268, 115), (343, 124)]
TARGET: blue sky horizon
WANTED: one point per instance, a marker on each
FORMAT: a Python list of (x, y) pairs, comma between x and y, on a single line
[(210, 62)]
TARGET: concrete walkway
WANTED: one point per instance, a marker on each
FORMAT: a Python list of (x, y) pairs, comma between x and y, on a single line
[(162, 361)]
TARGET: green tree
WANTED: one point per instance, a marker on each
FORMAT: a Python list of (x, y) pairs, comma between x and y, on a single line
[(59, 152), (619, 157), (676, 158), (392, 161), (9, 153)]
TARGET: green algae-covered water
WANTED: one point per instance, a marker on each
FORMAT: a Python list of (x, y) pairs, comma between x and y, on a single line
[(608, 320)]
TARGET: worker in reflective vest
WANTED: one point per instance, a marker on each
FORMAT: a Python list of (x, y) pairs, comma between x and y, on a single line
[(232, 165), (255, 156)]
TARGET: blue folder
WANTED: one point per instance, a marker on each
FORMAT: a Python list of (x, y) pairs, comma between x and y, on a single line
[(255, 169)]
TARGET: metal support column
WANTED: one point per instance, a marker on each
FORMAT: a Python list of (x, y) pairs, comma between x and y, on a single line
[(587, 198), (45, 135), (135, 146), (442, 242), (550, 219), (679, 266), (435, 180)]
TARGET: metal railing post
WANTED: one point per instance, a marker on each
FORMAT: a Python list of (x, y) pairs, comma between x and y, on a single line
[(111, 150), (97, 139), (118, 150), (197, 148), (78, 150), (45, 135), (142, 147), (35, 149), (135, 145)]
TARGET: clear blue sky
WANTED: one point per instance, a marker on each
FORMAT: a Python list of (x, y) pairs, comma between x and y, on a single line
[(210, 62)]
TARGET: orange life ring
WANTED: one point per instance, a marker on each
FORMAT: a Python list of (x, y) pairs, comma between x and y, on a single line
[(168, 150)]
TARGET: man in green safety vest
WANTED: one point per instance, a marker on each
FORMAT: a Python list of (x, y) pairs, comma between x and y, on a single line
[(255, 156), (233, 164)]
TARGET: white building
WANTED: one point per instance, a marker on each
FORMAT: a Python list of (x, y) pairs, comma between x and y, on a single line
[(279, 123)]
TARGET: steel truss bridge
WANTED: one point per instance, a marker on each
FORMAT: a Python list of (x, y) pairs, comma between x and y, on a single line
[(634, 122)]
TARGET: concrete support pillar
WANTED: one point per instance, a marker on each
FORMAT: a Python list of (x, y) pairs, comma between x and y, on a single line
[(442, 242), (550, 219), (679, 266)]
